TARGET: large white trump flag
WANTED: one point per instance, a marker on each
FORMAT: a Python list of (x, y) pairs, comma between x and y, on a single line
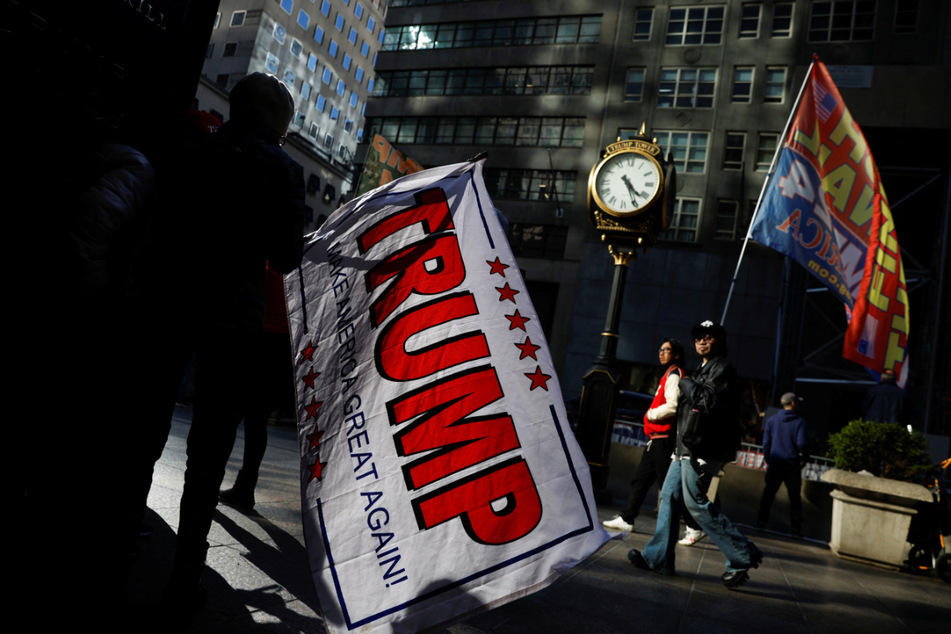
[(439, 474)]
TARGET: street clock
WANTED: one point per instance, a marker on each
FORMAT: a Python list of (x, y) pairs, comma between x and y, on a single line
[(631, 191)]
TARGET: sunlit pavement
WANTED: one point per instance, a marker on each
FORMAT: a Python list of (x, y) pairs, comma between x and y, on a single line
[(258, 578)]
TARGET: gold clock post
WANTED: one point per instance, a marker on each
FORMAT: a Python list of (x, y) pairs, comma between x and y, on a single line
[(630, 192)]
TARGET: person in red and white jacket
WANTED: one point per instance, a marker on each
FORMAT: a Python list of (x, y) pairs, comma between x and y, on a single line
[(659, 423)]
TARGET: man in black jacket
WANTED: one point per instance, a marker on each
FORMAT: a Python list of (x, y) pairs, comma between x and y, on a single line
[(707, 438)]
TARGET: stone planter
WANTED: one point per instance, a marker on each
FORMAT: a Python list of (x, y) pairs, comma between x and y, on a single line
[(871, 516)]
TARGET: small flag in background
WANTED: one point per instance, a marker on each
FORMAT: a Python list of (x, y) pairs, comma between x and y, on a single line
[(384, 164)]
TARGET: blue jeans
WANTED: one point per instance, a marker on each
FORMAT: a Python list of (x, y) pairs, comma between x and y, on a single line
[(683, 487)]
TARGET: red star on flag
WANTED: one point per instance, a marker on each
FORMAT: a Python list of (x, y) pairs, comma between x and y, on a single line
[(317, 470), (312, 408), (307, 354), (507, 293), (538, 379), (517, 321), (310, 377), (528, 349), (497, 267), (314, 439)]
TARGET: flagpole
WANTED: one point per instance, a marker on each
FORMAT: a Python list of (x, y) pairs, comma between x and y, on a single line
[(769, 176)]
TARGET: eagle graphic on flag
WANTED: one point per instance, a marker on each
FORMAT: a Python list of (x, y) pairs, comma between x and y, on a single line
[(439, 473), (825, 207)]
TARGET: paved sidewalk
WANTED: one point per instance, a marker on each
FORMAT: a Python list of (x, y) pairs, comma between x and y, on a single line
[(259, 579)]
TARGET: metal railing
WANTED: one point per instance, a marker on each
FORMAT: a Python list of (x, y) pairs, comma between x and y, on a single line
[(750, 455)]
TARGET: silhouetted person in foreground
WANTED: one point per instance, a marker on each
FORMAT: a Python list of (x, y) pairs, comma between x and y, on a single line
[(274, 385), (233, 204)]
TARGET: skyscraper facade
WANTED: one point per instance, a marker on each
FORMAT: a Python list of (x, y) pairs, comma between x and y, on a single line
[(543, 87)]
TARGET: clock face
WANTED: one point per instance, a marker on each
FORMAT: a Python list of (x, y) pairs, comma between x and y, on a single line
[(627, 182)]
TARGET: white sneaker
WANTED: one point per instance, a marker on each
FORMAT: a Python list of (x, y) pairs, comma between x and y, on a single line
[(692, 536), (617, 523)]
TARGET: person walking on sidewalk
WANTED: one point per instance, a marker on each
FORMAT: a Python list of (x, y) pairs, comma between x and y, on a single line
[(784, 445), (708, 435), (659, 428), (273, 386)]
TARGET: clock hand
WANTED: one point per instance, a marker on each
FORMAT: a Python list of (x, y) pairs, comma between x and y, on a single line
[(630, 188)]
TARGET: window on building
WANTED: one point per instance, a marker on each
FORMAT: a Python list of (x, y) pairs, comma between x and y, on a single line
[(742, 84), (686, 88), (765, 151), (210, 50), (507, 32), (365, 49), (341, 87), (305, 90), (347, 126), (313, 132), (321, 103), (328, 142), (689, 149), (842, 21), (222, 80), (333, 49), (328, 75), (726, 220), (296, 47), (695, 25), (906, 16), (270, 63), (749, 20), (352, 37), (359, 74), (217, 20), (347, 61), (230, 49), (371, 24), (358, 11), (325, 8), (303, 19), (685, 221), (733, 150), (311, 62), (338, 22), (334, 113), (288, 6), (319, 35), (353, 99), (237, 18), (643, 19), (532, 80), (299, 119), (289, 78), (280, 33), (534, 185), (538, 241), (359, 135), (634, 84), (782, 19), (521, 131), (775, 84)]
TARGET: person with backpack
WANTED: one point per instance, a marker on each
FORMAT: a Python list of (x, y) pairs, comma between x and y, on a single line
[(708, 435)]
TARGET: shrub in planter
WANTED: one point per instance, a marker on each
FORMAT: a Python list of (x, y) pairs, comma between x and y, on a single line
[(883, 449)]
